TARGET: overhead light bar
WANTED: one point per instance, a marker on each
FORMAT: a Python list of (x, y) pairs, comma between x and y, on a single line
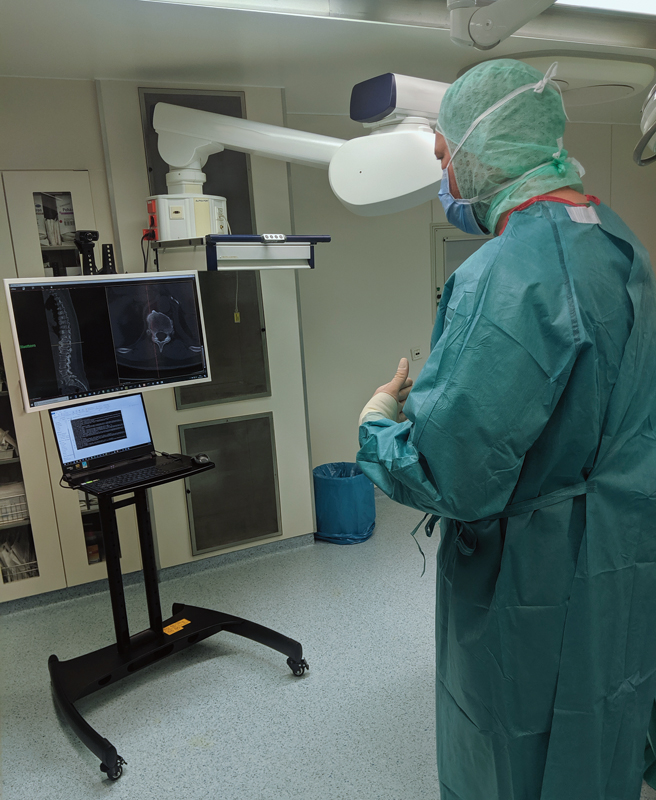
[(309, 8), (322, 8), (625, 6)]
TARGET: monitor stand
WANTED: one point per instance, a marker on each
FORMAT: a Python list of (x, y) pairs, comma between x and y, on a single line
[(81, 676)]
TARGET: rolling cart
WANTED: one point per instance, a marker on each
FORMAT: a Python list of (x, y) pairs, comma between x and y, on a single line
[(81, 676)]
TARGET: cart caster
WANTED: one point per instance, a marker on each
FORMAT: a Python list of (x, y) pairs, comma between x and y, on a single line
[(116, 771), (298, 667)]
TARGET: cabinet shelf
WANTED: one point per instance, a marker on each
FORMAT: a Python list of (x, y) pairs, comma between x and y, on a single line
[(20, 572), (14, 523), (12, 460)]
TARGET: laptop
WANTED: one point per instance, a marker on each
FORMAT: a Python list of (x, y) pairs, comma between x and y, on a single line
[(106, 445)]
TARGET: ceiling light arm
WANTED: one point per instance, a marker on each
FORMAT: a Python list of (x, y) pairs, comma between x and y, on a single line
[(187, 136), (483, 24), (642, 145), (392, 169), (648, 126)]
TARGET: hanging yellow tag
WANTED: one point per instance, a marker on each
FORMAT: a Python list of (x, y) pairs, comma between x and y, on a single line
[(237, 316)]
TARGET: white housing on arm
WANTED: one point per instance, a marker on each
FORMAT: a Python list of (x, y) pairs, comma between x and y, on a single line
[(483, 24), (392, 169)]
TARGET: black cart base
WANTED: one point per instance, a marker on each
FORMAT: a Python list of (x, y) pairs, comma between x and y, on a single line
[(81, 676)]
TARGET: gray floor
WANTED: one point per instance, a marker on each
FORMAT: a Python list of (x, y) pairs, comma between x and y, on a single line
[(226, 719)]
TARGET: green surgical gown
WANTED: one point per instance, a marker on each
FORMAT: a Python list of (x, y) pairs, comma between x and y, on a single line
[(531, 432)]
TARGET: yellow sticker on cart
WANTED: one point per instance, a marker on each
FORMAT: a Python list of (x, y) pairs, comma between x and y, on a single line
[(174, 627)]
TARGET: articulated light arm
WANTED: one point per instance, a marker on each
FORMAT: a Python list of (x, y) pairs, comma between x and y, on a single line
[(483, 24), (392, 169), (187, 136)]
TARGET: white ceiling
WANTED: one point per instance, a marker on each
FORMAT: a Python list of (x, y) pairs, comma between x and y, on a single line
[(316, 59)]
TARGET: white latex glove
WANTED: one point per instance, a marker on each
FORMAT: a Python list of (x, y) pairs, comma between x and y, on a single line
[(398, 389)]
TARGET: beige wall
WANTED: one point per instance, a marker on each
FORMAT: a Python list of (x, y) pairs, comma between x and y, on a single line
[(369, 300), (54, 125), (367, 303)]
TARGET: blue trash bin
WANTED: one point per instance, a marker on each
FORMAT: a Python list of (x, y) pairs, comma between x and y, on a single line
[(344, 499)]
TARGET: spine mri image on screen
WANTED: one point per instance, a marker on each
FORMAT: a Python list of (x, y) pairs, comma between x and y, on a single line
[(65, 339), (151, 330)]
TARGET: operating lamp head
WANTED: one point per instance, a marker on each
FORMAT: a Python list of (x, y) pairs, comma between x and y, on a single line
[(392, 98), (393, 168)]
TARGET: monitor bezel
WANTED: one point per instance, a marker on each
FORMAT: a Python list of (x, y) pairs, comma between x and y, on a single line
[(72, 279)]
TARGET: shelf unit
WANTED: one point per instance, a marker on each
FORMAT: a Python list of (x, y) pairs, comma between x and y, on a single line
[(21, 255), (17, 552)]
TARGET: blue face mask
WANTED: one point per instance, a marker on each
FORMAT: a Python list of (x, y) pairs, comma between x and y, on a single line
[(459, 212)]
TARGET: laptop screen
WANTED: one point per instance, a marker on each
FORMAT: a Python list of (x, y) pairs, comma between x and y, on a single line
[(101, 432)]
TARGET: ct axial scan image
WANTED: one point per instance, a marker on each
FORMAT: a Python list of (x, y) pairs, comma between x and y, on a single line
[(155, 329)]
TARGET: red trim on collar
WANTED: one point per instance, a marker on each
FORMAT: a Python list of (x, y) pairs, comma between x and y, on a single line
[(548, 198)]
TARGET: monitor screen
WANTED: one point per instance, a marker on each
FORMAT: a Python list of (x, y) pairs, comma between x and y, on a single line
[(90, 335), (98, 432)]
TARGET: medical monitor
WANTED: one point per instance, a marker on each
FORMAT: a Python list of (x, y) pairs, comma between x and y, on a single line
[(80, 337)]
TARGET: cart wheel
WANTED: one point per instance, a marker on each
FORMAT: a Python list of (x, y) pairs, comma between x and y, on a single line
[(115, 773), (298, 667)]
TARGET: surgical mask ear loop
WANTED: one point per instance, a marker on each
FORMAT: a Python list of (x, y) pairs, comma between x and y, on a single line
[(560, 163), (549, 80), (549, 76), (539, 89)]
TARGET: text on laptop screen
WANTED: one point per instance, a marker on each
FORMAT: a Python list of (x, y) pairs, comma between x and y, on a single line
[(91, 434), (85, 336)]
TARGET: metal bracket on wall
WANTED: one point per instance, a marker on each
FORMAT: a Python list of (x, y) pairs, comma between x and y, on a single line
[(251, 251)]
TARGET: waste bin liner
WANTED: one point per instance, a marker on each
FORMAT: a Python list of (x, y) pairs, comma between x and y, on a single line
[(344, 499)]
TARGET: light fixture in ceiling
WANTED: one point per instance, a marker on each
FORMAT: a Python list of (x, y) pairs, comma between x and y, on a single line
[(369, 10), (586, 81), (625, 6), (309, 8), (323, 7)]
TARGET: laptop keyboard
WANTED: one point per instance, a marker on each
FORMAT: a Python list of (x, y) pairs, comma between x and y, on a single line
[(127, 478)]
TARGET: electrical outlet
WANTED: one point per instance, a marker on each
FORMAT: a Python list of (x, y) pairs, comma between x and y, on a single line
[(176, 212), (415, 353)]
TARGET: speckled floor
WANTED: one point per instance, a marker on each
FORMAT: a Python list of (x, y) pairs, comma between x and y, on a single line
[(226, 719)]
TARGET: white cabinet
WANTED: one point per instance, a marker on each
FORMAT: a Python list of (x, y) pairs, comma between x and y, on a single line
[(60, 529), (30, 555)]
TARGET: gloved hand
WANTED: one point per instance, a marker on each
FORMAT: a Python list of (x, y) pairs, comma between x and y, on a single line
[(398, 389)]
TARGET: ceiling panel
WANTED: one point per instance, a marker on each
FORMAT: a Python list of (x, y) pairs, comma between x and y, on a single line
[(316, 59)]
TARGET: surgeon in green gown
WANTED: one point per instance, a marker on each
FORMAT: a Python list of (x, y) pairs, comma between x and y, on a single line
[(531, 433)]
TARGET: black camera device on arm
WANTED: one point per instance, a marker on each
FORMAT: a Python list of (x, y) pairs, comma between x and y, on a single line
[(85, 243)]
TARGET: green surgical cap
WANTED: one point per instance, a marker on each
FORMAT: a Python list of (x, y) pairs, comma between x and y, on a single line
[(522, 134)]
